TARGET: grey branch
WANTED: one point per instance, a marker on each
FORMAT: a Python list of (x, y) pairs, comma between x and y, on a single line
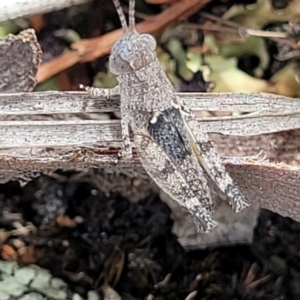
[(59, 133), (12, 9), (75, 102)]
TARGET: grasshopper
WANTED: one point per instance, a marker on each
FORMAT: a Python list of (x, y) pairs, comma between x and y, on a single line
[(173, 148)]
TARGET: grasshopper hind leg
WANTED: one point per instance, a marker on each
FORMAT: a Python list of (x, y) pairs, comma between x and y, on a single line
[(202, 219), (236, 199), (209, 158)]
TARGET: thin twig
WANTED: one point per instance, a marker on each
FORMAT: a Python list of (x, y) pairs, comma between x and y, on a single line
[(90, 49)]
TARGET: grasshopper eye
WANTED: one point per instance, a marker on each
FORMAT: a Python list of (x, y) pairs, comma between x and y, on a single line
[(126, 50), (148, 41)]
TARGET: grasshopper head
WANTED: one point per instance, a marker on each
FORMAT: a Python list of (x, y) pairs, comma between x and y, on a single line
[(132, 52)]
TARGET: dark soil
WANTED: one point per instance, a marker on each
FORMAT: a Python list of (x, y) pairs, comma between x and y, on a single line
[(130, 246)]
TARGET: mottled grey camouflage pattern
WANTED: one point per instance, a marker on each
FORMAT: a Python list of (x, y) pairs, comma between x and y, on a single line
[(171, 146)]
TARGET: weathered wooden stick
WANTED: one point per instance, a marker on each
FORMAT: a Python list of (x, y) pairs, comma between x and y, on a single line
[(52, 102), (275, 186), (269, 113)]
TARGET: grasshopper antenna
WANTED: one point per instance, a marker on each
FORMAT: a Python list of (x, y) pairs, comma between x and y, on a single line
[(131, 14), (121, 14)]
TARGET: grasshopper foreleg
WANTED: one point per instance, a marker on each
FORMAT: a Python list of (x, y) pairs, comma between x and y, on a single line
[(100, 92), (126, 150)]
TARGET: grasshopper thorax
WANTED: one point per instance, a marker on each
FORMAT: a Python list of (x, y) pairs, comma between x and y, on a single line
[(133, 51)]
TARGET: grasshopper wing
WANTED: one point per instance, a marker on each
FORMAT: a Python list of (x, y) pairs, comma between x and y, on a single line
[(212, 164), (166, 155)]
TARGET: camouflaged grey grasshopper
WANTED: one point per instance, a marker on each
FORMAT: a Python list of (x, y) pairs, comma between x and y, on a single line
[(171, 146)]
